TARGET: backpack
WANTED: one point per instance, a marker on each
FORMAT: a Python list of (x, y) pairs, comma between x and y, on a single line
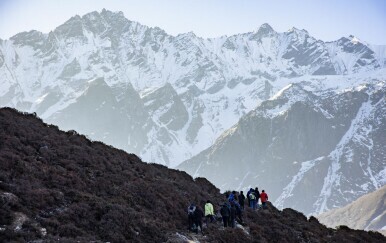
[(252, 196)]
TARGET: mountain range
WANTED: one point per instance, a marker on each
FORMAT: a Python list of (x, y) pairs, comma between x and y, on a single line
[(241, 110)]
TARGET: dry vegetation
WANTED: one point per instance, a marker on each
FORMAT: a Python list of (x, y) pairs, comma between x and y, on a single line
[(58, 185)]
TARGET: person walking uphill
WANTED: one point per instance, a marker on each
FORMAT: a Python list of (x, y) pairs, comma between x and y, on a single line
[(209, 211), (233, 216), (264, 199), (225, 212), (252, 200), (241, 200), (248, 197), (239, 212), (191, 210), (257, 194), (232, 197), (197, 215)]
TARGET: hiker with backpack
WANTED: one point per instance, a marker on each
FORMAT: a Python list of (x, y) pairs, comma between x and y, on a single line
[(191, 210), (264, 199), (209, 212), (197, 216), (239, 212), (241, 200), (249, 193), (252, 200), (225, 213)]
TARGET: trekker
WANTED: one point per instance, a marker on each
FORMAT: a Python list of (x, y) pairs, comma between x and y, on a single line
[(232, 197), (264, 199), (241, 199), (239, 212), (225, 212), (257, 194), (198, 215), (249, 193), (233, 216), (191, 210), (209, 212), (252, 200)]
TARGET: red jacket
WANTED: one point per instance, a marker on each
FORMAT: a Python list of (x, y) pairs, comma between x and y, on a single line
[(263, 197)]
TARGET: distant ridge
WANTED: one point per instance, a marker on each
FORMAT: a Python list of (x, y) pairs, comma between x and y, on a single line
[(367, 212)]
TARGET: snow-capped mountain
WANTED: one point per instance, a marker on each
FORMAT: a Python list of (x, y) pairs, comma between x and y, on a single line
[(317, 144), (368, 213), (163, 97)]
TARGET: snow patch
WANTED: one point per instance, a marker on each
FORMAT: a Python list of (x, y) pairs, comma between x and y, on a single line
[(287, 191), (333, 176), (280, 93)]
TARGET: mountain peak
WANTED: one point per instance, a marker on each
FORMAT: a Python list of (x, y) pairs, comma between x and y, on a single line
[(72, 20), (354, 39), (105, 14), (118, 14), (265, 29), (189, 34), (23, 37), (297, 31)]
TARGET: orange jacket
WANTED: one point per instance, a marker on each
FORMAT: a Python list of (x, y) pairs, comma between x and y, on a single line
[(263, 197)]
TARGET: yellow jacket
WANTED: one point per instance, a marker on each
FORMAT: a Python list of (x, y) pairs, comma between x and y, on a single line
[(209, 209)]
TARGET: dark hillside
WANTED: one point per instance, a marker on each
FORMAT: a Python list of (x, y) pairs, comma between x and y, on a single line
[(57, 185)]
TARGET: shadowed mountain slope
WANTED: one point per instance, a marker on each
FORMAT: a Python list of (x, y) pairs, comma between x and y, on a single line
[(60, 186)]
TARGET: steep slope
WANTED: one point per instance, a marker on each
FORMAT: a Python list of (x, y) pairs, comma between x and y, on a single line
[(57, 186), (367, 212), (312, 148), (213, 81)]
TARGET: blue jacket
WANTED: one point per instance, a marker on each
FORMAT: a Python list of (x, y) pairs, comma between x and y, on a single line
[(231, 198)]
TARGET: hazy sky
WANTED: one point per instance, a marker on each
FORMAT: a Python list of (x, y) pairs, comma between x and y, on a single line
[(325, 19)]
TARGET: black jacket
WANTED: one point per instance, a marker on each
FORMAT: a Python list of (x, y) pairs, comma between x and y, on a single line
[(233, 212), (224, 211), (241, 199), (198, 214)]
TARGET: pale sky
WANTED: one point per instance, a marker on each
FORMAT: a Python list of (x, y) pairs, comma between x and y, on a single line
[(327, 20)]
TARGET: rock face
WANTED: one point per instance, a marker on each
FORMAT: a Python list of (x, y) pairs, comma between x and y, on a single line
[(311, 149), (60, 186), (129, 85), (367, 212)]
